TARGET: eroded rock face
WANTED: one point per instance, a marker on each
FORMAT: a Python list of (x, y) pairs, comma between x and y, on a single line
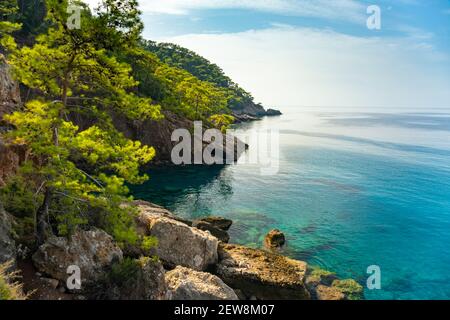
[(261, 274), (188, 284), (7, 243), (91, 251), (9, 90)]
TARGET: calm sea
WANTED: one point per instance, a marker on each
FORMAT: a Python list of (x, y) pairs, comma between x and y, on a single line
[(355, 188)]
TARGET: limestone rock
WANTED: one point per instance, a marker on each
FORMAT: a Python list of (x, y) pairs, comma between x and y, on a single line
[(180, 244), (188, 284), (261, 274), (91, 251)]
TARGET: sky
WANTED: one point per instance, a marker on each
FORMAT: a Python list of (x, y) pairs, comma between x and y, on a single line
[(317, 52)]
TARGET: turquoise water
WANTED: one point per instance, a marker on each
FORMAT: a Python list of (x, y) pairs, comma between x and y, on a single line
[(354, 189)]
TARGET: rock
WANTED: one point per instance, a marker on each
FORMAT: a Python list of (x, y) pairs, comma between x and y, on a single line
[(272, 112), (265, 275), (218, 222), (274, 239), (216, 232), (9, 89), (91, 251), (50, 283), (188, 284), (147, 282), (180, 244), (328, 293), (7, 243), (149, 211)]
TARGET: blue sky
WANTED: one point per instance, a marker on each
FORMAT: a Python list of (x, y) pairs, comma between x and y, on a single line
[(317, 52)]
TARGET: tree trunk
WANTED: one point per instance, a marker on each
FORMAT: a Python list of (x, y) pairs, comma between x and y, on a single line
[(43, 229)]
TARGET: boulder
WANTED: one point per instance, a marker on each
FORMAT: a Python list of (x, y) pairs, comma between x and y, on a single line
[(148, 211), (216, 232), (146, 282), (274, 239), (188, 284), (92, 251), (218, 222), (263, 275), (180, 244), (9, 89), (7, 243)]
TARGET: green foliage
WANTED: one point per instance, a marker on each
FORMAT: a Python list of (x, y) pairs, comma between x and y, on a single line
[(124, 271), (182, 58), (18, 198), (8, 23), (189, 96), (75, 73), (9, 288), (221, 121)]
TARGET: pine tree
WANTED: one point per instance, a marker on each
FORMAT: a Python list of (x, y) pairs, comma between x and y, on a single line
[(76, 75)]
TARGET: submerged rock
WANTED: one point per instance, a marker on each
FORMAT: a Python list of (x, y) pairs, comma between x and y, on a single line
[(188, 284), (261, 274), (216, 232), (274, 239), (91, 251), (218, 222)]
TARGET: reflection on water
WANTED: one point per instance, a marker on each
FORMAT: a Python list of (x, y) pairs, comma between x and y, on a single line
[(353, 190)]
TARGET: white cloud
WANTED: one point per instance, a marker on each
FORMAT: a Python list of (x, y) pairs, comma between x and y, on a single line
[(299, 66), (350, 10)]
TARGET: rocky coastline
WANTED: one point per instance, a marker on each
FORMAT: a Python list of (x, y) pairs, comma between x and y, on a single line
[(187, 264)]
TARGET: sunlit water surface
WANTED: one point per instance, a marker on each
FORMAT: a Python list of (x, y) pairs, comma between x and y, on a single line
[(354, 188)]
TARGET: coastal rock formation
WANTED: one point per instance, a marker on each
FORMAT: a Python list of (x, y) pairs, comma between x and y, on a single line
[(91, 251), (180, 244), (218, 222), (261, 274), (188, 284), (272, 112), (7, 243), (216, 232)]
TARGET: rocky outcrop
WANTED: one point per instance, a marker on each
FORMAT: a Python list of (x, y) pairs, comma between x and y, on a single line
[(261, 274), (178, 242), (273, 112), (92, 251), (274, 239), (188, 284), (7, 243), (214, 231)]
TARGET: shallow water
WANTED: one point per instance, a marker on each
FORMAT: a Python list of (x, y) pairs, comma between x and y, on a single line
[(354, 189)]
